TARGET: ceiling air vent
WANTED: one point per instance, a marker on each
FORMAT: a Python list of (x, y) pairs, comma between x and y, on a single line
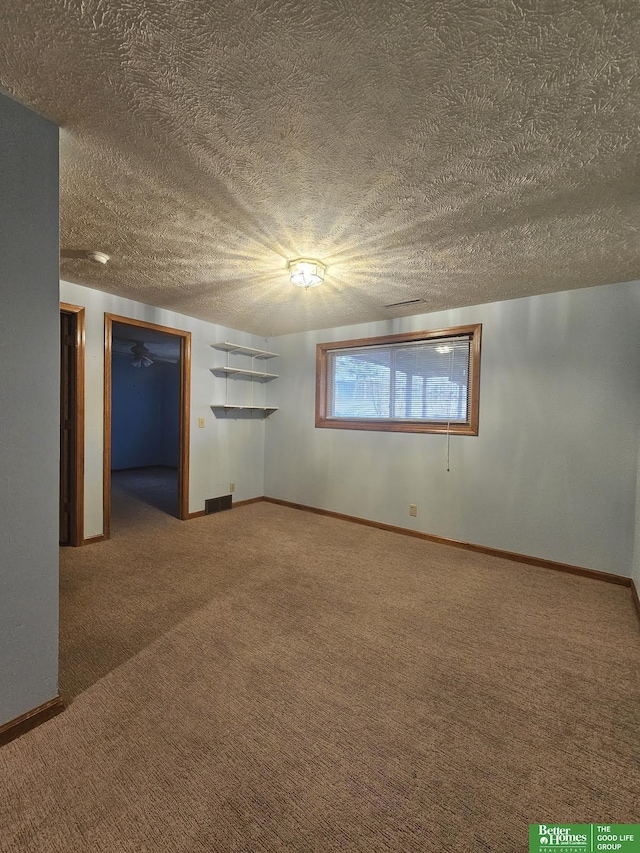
[(407, 302)]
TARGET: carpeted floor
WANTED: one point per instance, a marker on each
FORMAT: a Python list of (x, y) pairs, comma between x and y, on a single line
[(156, 486), (271, 680)]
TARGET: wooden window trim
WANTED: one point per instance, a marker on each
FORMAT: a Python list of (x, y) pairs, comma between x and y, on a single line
[(469, 428)]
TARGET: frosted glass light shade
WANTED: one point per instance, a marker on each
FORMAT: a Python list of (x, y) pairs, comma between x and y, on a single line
[(306, 273)]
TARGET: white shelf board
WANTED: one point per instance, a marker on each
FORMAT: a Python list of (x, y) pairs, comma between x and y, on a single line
[(259, 373), (233, 406), (242, 350)]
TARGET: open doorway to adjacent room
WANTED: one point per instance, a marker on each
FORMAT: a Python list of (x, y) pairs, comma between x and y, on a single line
[(146, 419)]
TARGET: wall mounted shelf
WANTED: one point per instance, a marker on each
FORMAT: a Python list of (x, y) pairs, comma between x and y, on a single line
[(239, 349), (257, 373), (232, 371), (246, 408)]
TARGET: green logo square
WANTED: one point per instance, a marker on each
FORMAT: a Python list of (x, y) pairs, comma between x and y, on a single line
[(560, 838), (584, 838)]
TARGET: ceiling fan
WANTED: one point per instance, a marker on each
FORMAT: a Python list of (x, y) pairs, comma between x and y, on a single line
[(139, 355)]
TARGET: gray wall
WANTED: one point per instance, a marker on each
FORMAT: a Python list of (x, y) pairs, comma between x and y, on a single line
[(552, 473), (29, 410)]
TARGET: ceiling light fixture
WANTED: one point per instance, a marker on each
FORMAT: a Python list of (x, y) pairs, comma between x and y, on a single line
[(306, 273), (97, 257)]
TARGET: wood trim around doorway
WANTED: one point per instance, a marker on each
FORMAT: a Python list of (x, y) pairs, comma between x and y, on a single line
[(185, 406), (77, 502)]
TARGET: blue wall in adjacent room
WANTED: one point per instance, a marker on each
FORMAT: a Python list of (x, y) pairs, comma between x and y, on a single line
[(145, 415)]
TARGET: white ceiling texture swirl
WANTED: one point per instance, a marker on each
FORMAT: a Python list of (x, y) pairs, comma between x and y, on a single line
[(453, 151)]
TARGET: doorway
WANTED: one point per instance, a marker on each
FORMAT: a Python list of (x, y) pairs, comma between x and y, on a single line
[(146, 424), (71, 498)]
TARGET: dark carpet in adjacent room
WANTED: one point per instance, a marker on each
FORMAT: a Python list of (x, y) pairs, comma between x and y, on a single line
[(155, 485), (268, 680)]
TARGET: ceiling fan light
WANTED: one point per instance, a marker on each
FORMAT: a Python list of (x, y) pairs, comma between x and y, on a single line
[(306, 273)]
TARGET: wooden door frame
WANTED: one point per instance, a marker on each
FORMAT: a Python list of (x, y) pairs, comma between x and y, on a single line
[(76, 533), (185, 414)]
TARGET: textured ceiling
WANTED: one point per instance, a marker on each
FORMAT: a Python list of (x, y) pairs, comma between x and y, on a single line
[(458, 151)]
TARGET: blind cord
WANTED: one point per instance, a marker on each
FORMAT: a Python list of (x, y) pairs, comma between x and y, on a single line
[(449, 419)]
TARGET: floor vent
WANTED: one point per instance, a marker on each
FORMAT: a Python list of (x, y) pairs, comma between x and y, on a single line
[(217, 504)]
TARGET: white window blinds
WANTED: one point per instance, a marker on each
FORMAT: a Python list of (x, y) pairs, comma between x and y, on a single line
[(424, 381)]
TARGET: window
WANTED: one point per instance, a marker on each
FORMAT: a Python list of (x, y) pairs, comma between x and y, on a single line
[(415, 382)]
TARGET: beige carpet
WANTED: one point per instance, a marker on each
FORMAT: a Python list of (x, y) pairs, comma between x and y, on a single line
[(270, 680)]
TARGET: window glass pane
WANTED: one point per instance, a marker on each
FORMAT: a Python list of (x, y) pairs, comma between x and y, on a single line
[(361, 382)]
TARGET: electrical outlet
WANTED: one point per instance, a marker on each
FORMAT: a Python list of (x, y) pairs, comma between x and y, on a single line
[(201, 423), (413, 510), (232, 487)]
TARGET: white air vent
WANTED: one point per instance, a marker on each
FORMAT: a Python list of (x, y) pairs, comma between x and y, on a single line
[(408, 302)]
